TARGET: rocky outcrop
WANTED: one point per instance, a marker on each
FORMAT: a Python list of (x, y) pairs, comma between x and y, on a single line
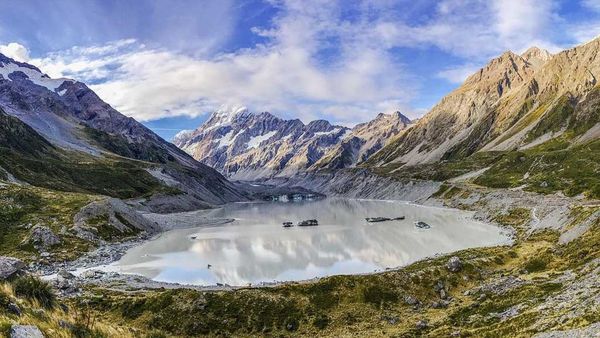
[(25, 331), (114, 213), (9, 267), (42, 237), (454, 264)]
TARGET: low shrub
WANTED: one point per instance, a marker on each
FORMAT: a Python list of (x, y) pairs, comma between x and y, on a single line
[(34, 288)]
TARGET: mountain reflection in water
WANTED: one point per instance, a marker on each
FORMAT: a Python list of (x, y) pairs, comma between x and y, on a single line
[(256, 248)]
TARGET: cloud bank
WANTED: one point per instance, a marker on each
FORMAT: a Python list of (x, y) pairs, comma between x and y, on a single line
[(315, 58)]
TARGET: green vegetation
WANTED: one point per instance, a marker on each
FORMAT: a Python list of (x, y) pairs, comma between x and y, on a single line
[(554, 120), (35, 289), (386, 304), (80, 173), (30, 158), (548, 168), (119, 145), (439, 171), (22, 207)]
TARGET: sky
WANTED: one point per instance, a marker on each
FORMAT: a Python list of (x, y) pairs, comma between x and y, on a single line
[(169, 63)]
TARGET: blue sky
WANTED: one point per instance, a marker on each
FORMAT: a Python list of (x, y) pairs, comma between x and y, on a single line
[(168, 63)]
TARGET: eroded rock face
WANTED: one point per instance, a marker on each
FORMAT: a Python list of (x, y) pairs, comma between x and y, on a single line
[(43, 237), (112, 212), (10, 266), (498, 107), (25, 331)]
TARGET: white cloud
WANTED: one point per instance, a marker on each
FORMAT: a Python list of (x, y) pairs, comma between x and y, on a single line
[(313, 62), (15, 51), (284, 75), (458, 74), (591, 4)]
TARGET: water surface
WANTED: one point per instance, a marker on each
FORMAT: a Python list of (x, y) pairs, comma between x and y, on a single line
[(256, 248)]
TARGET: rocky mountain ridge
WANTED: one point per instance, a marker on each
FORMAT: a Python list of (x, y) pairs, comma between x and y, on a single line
[(248, 146), (81, 133), (499, 107)]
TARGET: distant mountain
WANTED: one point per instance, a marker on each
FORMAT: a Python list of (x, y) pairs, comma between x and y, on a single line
[(247, 146), (364, 140), (77, 127)]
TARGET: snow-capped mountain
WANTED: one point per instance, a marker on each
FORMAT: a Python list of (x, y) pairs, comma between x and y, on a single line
[(244, 145), (364, 140), (74, 120)]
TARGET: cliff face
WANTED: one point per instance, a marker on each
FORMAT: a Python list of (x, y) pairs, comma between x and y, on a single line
[(509, 104)]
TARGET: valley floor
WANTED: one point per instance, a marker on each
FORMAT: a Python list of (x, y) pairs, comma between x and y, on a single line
[(545, 284)]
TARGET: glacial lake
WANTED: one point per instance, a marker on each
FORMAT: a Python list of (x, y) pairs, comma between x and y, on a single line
[(256, 247)]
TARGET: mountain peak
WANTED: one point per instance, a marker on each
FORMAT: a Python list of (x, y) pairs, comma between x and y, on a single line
[(225, 115), (11, 70), (536, 56)]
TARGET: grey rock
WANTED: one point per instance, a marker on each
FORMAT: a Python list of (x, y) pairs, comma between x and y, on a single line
[(64, 274), (92, 274), (25, 331), (119, 215), (410, 300), (42, 237), (86, 233), (454, 264), (440, 305), (14, 309), (64, 324), (422, 324), (10, 266)]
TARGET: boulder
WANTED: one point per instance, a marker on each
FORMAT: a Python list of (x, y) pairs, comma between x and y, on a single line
[(86, 233), (64, 274), (454, 264), (10, 266), (422, 325), (117, 214), (14, 309), (42, 237), (25, 331), (410, 300)]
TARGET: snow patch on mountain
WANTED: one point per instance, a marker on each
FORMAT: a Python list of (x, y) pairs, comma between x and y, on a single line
[(257, 140), (9, 69), (245, 146)]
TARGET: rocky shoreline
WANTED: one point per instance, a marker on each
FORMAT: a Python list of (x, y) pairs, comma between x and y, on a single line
[(88, 269)]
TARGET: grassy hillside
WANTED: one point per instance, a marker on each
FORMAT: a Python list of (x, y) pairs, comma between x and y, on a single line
[(22, 207), (32, 159)]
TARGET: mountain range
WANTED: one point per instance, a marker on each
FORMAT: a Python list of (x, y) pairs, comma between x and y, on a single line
[(537, 107), (248, 146), (529, 108)]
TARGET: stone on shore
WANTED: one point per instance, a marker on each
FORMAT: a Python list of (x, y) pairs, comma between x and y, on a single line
[(454, 264), (25, 331), (9, 266)]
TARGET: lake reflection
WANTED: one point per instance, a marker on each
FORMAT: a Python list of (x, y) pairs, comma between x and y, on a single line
[(256, 248)]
